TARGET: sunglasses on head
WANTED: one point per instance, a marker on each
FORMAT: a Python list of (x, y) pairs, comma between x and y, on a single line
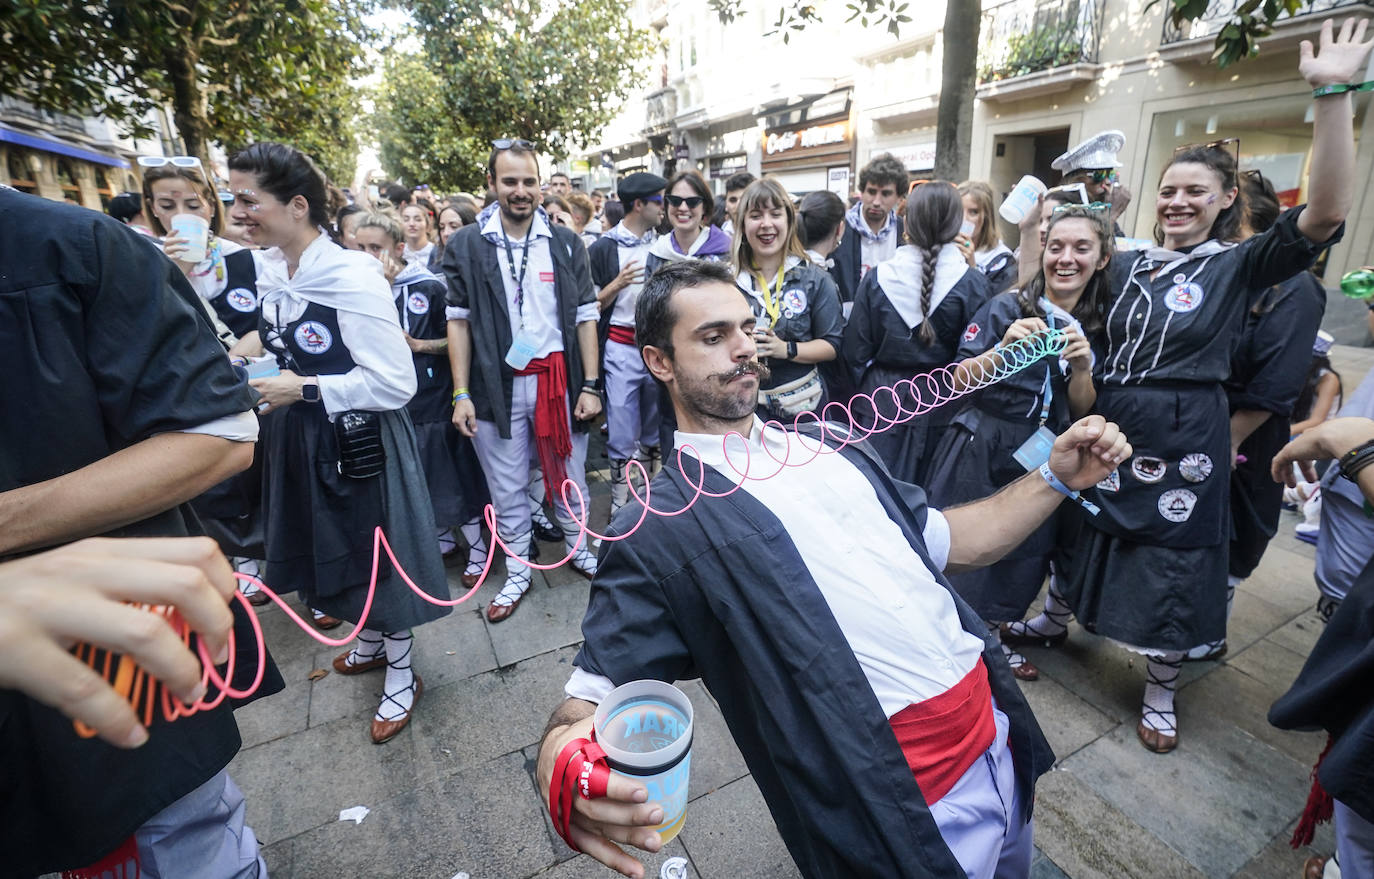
[(1095, 206), (1229, 144), (516, 143), (915, 183), (1074, 190), (692, 201), (176, 162)]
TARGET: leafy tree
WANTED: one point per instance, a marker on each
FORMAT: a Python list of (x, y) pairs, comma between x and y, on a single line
[(420, 142), (554, 73), (227, 68), (322, 123)]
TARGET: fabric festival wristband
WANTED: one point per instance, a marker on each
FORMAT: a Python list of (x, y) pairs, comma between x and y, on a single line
[(461, 395), (1342, 88), (1355, 460), (581, 767), (1067, 492)]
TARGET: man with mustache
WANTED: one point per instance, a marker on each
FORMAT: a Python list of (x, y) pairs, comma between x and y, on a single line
[(884, 730), (522, 345)]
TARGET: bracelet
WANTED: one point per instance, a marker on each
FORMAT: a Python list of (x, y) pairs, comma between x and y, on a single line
[(1342, 88), (581, 768), (593, 383), (1355, 460), (460, 390), (1067, 492), (791, 350), (593, 391), (461, 395)]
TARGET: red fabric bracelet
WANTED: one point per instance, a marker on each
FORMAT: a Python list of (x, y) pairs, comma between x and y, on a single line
[(581, 767)]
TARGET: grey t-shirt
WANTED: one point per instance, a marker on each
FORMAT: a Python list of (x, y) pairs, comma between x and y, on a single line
[(1347, 533)]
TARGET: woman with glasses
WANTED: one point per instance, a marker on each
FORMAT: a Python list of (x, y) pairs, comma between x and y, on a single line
[(909, 316), (978, 455), (339, 454), (1150, 570), (798, 307), (688, 204)]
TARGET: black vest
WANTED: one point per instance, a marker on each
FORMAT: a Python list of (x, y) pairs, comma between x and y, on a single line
[(237, 304), (311, 344)]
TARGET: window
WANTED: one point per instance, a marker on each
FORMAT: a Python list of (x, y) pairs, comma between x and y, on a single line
[(66, 178), (21, 177)]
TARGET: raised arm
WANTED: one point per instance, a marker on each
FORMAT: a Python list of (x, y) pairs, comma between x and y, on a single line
[(1337, 61)]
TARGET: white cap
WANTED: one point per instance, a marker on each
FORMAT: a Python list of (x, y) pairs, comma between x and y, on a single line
[(1098, 151)]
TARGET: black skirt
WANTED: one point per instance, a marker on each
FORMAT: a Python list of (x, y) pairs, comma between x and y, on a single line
[(1256, 499), (457, 488), (320, 524)]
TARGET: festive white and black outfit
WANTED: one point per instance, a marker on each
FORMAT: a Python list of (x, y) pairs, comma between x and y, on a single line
[(103, 345), (861, 250), (999, 264), (457, 488), (335, 319), (824, 630), (800, 306), (537, 289), (882, 345), (418, 257)]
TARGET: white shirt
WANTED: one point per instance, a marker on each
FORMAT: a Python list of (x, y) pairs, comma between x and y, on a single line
[(900, 622), (623, 312), (420, 256), (875, 252)]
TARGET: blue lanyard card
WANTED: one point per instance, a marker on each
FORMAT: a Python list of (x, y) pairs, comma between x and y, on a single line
[(1036, 450)]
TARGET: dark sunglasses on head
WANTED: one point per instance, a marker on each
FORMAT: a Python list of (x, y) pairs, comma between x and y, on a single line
[(506, 143), (692, 201)]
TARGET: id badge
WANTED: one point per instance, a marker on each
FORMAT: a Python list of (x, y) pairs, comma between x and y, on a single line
[(522, 350), (1036, 450)]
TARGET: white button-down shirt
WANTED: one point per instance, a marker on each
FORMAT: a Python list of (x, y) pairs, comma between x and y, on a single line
[(900, 622)]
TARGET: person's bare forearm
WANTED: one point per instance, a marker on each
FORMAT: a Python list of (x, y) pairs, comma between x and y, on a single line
[(572, 713), (984, 531), (248, 345), (1245, 422), (1082, 394), (126, 487), (459, 351), (815, 351), (1332, 169), (589, 348)]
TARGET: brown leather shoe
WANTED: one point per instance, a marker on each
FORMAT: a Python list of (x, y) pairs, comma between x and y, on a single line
[(470, 580), (1314, 867), (342, 667), (498, 612), (326, 622), (259, 598), (385, 730), (1154, 740), (1025, 672)]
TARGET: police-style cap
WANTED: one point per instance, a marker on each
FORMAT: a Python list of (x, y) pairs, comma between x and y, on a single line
[(1098, 151), (640, 184)]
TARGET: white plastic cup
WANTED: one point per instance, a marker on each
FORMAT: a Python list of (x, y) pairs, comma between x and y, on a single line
[(196, 230), (645, 728), (1022, 200)]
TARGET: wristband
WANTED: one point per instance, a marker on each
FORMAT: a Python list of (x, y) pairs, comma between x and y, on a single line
[(461, 395), (791, 350), (580, 766), (592, 384), (1355, 460), (1067, 492), (1342, 88)]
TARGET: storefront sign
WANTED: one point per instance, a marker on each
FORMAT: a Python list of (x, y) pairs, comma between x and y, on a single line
[(916, 157), (839, 182), (806, 138)]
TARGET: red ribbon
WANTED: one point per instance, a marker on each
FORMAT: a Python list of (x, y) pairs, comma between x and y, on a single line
[(581, 767)]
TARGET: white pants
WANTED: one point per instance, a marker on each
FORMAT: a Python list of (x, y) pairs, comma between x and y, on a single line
[(979, 818), (1354, 844), (631, 402), (201, 834), (506, 464)]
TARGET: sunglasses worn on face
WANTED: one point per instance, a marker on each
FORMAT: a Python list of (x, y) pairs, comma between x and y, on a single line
[(1103, 175), (512, 143), (692, 201)]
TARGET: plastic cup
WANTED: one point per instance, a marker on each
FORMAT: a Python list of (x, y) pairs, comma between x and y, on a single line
[(645, 728), (1022, 200), (196, 230)]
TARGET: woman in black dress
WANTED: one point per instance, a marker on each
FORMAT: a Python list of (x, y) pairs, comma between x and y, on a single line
[(1150, 570), (340, 456)]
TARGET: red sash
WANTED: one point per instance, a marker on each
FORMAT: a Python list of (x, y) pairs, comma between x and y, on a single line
[(942, 736), (623, 335), (552, 437)]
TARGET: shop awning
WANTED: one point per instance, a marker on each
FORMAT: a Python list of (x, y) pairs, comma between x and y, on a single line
[(19, 138)]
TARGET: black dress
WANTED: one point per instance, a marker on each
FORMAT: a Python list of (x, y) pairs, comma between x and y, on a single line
[(882, 350), (974, 459), (457, 489), (1150, 569)]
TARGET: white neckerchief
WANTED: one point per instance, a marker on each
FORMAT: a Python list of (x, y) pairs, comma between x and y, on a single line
[(345, 280), (900, 280), (663, 247), (984, 257), (1169, 259)]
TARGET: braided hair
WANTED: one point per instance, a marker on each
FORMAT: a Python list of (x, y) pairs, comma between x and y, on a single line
[(934, 213)]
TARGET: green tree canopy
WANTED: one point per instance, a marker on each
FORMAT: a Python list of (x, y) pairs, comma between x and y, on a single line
[(419, 141), (230, 70), (554, 73)]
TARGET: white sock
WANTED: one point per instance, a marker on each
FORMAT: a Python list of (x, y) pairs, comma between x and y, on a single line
[(1161, 678), (398, 693), (1053, 620), (447, 542), (620, 486), (517, 574), (1014, 659), (368, 647), (477, 549)]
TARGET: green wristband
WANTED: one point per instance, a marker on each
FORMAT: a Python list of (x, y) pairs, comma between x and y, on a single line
[(1342, 88)]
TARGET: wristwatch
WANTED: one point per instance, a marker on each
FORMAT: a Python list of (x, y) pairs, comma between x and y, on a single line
[(791, 350), (310, 391)]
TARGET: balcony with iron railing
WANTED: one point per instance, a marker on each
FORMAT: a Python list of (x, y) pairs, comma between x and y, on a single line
[(660, 108), (1031, 47), (1194, 40)]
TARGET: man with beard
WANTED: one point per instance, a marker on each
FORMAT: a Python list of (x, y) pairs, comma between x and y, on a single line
[(876, 229), (522, 345), (884, 730)]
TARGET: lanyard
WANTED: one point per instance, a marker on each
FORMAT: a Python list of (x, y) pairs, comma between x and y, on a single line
[(1046, 396), (771, 305), (524, 264)]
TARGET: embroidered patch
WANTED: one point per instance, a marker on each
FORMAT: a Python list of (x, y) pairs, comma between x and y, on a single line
[(241, 299), (972, 332), (546, 277), (793, 302), (313, 337), (1183, 297), (1177, 504), (1195, 467), (1112, 482), (418, 303), (1148, 470)]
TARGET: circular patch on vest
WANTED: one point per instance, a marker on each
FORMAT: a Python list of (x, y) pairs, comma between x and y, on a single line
[(1183, 298), (1177, 504), (1195, 467), (1148, 470), (313, 337), (417, 303), (241, 299), (793, 302)]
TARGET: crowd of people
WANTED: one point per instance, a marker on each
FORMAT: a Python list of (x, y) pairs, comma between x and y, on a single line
[(293, 368)]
